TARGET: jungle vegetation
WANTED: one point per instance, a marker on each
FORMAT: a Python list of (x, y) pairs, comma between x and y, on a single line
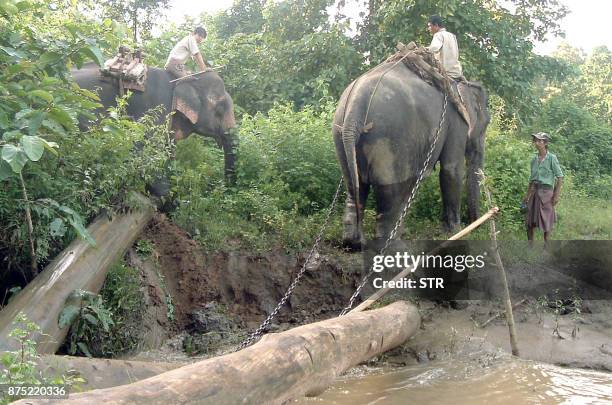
[(285, 65)]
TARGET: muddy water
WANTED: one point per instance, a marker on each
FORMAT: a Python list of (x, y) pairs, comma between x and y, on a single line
[(511, 382)]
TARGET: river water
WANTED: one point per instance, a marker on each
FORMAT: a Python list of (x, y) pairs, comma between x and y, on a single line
[(512, 382)]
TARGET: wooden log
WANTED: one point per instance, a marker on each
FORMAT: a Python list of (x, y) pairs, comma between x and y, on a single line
[(102, 373), (79, 266), (301, 361)]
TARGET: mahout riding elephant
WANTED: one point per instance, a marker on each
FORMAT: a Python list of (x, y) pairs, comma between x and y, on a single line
[(201, 106), (383, 128)]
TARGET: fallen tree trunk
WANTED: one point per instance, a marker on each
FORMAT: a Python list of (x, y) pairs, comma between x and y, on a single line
[(301, 361), (79, 266), (102, 373)]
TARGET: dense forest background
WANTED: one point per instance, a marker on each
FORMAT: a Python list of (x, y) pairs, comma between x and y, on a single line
[(285, 64)]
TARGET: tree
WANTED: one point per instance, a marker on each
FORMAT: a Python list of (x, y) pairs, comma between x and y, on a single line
[(495, 43), (140, 15)]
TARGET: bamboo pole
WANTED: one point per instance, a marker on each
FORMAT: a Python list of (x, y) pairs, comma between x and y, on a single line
[(282, 366), (502, 272), (380, 293)]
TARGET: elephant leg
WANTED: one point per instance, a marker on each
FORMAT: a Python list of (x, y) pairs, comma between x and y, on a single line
[(475, 162), (390, 201), (451, 177), (352, 220)]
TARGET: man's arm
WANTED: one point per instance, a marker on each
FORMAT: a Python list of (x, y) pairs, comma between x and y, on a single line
[(200, 61), (436, 43), (557, 192)]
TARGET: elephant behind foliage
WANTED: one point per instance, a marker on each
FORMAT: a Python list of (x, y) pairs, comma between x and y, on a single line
[(202, 106), (382, 138)]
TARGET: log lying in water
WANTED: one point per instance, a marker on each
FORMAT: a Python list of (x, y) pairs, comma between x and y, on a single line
[(79, 266), (102, 373), (301, 361)]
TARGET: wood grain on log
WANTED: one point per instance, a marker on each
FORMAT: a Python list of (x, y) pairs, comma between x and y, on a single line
[(301, 361)]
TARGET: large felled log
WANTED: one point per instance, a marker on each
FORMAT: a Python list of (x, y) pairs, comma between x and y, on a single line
[(79, 266), (301, 361), (102, 373)]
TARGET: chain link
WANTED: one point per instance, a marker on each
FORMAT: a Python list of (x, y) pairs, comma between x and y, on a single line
[(404, 211), (259, 331)]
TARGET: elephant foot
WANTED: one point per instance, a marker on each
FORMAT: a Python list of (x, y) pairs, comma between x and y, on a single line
[(352, 244)]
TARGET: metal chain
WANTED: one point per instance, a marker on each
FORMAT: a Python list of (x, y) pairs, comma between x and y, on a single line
[(404, 211), (259, 331)]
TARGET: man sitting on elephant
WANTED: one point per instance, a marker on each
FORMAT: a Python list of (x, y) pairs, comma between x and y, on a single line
[(444, 47), (185, 48)]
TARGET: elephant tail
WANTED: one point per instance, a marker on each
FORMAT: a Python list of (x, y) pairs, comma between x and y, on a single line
[(350, 137)]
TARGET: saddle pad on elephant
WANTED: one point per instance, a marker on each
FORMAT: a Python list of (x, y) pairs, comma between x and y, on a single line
[(427, 67)]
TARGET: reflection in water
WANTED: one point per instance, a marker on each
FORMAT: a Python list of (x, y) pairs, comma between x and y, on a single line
[(511, 382)]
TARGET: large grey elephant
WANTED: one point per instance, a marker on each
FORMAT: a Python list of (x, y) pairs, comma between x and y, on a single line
[(201, 106), (382, 139)]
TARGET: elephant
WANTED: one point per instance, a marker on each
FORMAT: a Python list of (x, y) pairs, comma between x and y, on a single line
[(202, 106), (383, 128)]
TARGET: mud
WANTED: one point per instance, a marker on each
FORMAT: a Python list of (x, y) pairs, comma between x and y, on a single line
[(204, 305)]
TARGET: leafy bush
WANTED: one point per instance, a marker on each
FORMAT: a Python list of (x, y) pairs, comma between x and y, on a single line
[(286, 169)]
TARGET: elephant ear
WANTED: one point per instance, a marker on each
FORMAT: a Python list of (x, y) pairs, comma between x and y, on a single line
[(187, 101)]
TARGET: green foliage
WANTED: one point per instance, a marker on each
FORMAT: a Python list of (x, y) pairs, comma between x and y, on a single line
[(139, 15), (582, 143), (19, 366), (109, 324), (86, 313), (144, 247), (286, 169)]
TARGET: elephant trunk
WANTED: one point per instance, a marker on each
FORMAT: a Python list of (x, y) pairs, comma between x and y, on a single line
[(350, 137), (229, 144)]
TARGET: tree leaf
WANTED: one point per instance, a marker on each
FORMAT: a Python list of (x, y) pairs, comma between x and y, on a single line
[(77, 224), (35, 122), (5, 170), (15, 157), (84, 349), (44, 95), (62, 117), (57, 228), (33, 146), (94, 53), (91, 319), (48, 58), (54, 127), (68, 315)]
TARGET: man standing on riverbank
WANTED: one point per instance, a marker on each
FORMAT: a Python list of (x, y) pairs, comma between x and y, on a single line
[(183, 50), (544, 188)]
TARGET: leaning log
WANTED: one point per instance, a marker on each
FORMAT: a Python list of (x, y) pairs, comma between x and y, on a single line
[(79, 266), (282, 366)]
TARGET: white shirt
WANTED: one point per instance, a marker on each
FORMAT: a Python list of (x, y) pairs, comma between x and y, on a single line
[(444, 47), (183, 50)]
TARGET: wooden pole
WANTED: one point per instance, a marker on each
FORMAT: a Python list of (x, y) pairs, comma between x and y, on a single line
[(79, 266), (380, 293), (280, 367), (502, 272)]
